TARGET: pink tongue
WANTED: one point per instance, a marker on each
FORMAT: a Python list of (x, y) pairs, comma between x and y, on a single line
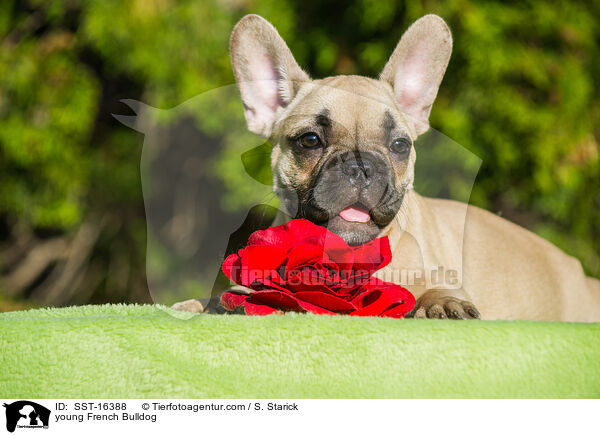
[(352, 214)]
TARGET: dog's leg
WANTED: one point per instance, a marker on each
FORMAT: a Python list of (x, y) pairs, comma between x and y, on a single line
[(442, 304)]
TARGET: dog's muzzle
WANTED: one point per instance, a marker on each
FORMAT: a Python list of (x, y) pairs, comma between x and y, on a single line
[(353, 195)]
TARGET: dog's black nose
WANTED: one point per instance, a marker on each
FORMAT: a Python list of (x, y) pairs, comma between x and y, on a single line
[(359, 170)]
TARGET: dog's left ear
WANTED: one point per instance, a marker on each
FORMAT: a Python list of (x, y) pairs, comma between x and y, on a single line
[(417, 66)]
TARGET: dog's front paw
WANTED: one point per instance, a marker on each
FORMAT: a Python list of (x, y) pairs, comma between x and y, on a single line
[(191, 306), (437, 305)]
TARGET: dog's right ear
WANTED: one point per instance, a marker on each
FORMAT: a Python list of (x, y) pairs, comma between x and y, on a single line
[(265, 70)]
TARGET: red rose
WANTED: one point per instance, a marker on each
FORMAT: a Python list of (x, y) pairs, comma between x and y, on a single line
[(303, 267)]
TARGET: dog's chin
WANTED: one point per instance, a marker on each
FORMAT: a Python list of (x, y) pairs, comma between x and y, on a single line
[(355, 222), (354, 233)]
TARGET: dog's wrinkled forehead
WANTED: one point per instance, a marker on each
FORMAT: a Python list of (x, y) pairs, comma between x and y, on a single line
[(352, 107)]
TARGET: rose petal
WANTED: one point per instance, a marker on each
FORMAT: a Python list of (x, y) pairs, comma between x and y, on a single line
[(343, 256), (304, 254), (252, 309), (353, 284), (259, 262), (268, 284), (398, 310), (315, 309), (325, 300), (265, 258), (307, 279), (231, 300), (336, 248), (302, 229), (254, 263), (372, 256), (276, 299), (378, 296), (232, 268), (285, 236), (273, 236), (330, 271), (285, 301)]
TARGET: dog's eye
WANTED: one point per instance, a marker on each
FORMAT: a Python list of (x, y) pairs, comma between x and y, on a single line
[(400, 146), (309, 140)]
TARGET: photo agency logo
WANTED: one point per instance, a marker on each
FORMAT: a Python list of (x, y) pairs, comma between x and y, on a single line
[(24, 414)]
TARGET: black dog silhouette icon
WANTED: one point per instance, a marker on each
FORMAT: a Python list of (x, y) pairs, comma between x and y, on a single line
[(26, 413)]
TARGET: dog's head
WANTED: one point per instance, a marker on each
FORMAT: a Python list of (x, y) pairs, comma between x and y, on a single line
[(343, 154)]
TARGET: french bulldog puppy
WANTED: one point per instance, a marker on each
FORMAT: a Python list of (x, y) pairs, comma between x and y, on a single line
[(344, 157)]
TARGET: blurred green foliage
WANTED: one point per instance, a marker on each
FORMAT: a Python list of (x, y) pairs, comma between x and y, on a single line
[(520, 92)]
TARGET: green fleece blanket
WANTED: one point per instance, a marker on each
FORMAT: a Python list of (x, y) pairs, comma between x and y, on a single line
[(132, 351)]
